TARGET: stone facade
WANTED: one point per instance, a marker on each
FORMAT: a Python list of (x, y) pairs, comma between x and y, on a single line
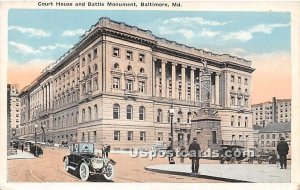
[(13, 108), (118, 82)]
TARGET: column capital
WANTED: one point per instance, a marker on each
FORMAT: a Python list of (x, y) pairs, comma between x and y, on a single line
[(164, 61), (154, 59), (218, 74), (184, 66), (193, 68), (174, 64)]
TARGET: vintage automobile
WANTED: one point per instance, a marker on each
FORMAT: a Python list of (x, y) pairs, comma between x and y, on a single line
[(85, 162), (231, 154), (36, 150)]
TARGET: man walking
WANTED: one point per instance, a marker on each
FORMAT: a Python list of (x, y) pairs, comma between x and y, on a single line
[(22, 147), (282, 149), (194, 154)]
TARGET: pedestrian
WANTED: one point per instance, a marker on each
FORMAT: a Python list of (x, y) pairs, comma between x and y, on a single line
[(103, 151), (107, 150), (22, 147), (282, 149), (182, 154), (194, 155)]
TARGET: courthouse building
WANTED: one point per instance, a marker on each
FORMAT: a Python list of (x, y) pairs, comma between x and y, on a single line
[(118, 82), (13, 109)]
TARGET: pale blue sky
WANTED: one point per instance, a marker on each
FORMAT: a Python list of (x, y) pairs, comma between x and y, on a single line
[(48, 34)]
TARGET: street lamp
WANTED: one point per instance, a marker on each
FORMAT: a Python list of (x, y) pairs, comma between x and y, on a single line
[(171, 114), (89, 136), (35, 127)]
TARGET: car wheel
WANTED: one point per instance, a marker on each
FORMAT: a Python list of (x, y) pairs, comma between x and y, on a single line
[(66, 164), (84, 171), (259, 161), (109, 172), (239, 161)]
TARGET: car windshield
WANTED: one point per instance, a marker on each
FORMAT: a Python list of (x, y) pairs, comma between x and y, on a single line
[(86, 148)]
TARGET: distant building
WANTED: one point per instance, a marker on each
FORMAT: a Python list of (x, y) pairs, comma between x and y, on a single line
[(13, 108), (279, 110), (269, 136)]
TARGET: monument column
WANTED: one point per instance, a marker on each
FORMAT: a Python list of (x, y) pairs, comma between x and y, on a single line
[(153, 78), (200, 85)]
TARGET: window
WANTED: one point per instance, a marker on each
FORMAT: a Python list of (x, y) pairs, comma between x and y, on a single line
[(214, 137), (273, 143), (116, 52), (141, 86), (90, 113), (116, 66), (160, 136), (239, 101), (95, 83), (129, 112), (89, 58), (232, 78), (246, 121), (142, 136), (232, 121), (83, 115), (273, 136), (116, 83), (246, 81), (129, 84), (239, 80), (83, 61), (117, 135), (246, 102), (96, 111), (95, 67), (141, 113), (142, 70), (268, 136), (262, 143), (141, 57), (116, 111), (239, 121), (159, 116), (232, 102), (129, 55), (95, 53), (130, 136), (262, 136)]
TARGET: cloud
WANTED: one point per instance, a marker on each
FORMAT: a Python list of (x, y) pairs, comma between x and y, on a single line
[(208, 33), (28, 70), (77, 32), (32, 32), (245, 35), (188, 34), (55, 46), (22, 48), (192, 21), (272, 76)]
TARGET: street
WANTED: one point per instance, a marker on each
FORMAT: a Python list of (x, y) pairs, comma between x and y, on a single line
[(49, 168)]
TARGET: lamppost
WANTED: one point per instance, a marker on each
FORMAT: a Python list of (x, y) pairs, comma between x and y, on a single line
[(171, 114), (89, 136), (35, 127)]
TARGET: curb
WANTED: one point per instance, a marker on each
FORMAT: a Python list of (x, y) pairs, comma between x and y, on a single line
[(196, 175)]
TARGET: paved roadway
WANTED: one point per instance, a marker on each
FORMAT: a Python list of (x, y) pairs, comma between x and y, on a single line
[(49, 168)]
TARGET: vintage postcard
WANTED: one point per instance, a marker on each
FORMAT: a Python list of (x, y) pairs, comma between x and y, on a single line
[(152, 95)]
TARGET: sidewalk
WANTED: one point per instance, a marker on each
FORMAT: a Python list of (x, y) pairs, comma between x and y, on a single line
[(254, 173), (21, 155)]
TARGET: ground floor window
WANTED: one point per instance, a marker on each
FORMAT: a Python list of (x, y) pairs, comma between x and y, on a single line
[(117, 135), (142, 136), (130, 135)]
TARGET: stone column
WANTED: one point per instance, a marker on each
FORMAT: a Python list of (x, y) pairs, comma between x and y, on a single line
[(200, 75), (236, 100), (153, 78), (44, 94), (193, 84), (213, 91), (174, 80), (217, 88), (183, 82), (51, 95), (163, 78)]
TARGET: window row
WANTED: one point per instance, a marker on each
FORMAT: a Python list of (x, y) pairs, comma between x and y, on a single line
[(129, 112), (129, 54), (238, 101), (117, 136), (66, 120), (89, 56), (65, 76), (88, 117), (273, 136), (239, 79), (238, 122), (129, 85), (178, 119)]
